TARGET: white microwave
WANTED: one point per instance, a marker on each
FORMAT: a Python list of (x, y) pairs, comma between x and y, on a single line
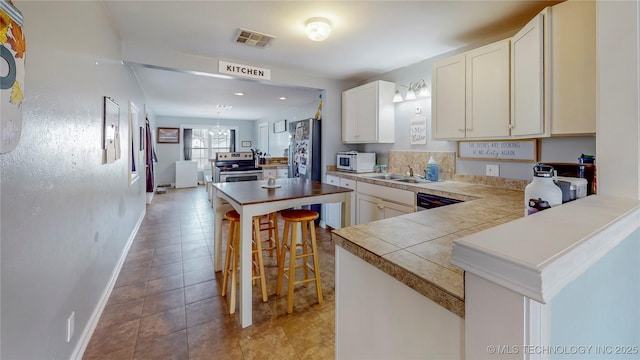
[(354, 161)]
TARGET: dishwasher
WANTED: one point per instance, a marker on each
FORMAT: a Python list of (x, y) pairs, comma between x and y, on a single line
[(429, 201)]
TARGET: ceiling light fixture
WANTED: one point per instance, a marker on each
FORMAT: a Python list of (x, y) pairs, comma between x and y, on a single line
[(317, 28), (415, 90), (238, 93), (397, 97), (282, 98)]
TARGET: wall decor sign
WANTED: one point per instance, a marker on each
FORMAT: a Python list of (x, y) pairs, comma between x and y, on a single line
[(168, 135), (110, 131), (246, 143), (12, 74), (247, 71), (280, 126), (418, 130), (507, 150)]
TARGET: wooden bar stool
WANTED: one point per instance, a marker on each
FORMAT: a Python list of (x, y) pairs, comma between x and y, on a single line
[(307, 249), (271, 243), (232, 257)]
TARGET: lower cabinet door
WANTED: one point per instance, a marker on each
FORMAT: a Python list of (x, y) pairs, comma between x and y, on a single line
[(391, 210), (369, 209)]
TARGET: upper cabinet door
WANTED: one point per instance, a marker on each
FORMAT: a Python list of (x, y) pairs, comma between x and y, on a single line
[(368, 113), (448, 98), (488, 93), (527, 79), (573, 64), (367, 108)]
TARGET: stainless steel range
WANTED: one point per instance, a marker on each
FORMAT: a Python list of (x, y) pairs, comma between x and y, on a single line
[(236, 166)]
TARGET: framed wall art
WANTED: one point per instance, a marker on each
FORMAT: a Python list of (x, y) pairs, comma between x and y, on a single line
[(280, 126), (168, 135), (246, 143), (505, 150), (110, 130), (13, 49)]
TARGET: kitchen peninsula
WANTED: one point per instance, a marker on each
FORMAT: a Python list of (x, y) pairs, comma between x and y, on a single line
[(394, 279)]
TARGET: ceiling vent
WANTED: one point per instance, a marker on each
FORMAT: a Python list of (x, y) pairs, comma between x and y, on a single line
[(254, 38)]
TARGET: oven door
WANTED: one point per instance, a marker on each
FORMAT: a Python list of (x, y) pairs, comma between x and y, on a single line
[(234, 176)]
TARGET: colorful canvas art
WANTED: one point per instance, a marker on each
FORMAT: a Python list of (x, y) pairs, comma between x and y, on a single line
[(12, 74)]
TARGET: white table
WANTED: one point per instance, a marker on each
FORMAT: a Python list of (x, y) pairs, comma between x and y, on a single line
[(249, 199)]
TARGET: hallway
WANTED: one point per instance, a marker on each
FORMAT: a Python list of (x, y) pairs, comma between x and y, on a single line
[(166, 303)]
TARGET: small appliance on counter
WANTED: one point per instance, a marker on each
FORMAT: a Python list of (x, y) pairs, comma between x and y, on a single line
[(541, 193), (576, 170), (572, 187), (354, 161)]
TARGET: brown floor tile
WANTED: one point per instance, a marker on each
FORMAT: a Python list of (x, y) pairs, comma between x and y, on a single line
[(269, 344), (206, 339), (161, 271), (200, 291), (108, 339), (164, 284), (161, 324), (169, 347), (306, 330), (116, 314), (198, 276), (197, 264), (157, 303), (206, 310), (128, 293)]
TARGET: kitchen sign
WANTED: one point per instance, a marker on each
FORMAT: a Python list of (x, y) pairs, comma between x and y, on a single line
[(246, 71), (513, 150)]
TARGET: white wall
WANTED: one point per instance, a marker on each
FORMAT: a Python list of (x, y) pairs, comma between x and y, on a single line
[(280, 141), (585, 312), (66, 218)]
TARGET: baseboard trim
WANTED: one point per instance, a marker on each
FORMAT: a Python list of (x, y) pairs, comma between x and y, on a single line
[(83, 342)]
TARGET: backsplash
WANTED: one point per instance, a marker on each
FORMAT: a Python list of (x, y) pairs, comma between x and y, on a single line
[(512, 184), (398, 161)]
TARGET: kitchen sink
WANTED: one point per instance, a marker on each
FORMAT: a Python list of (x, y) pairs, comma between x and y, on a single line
[(411, 180), (386, 177)]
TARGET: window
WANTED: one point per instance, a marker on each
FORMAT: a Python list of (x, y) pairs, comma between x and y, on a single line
[(206, 142)]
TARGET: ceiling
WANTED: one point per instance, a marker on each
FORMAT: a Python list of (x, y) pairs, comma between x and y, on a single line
[(368, 38)]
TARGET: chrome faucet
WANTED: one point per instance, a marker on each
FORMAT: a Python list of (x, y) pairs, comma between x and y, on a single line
[(410, 171)]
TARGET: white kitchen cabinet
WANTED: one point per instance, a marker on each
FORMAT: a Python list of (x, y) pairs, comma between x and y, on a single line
[(376, 202), (280, 172), (368, 113), (448, 99), (573, 66), (470, 98), (371, 208), (334, 211), (527, 79), (554, 72)]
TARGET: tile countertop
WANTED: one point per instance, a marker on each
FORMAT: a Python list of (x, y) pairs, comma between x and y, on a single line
[(416, 248)]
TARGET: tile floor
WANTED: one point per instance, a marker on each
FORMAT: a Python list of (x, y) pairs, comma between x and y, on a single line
[(166, 303)]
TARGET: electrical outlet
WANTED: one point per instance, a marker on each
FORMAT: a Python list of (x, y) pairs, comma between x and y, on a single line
[(493, 170), (71, 325), (418, 110)]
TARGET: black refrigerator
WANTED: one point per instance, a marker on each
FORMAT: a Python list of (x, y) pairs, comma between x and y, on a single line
[(304, 152)]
